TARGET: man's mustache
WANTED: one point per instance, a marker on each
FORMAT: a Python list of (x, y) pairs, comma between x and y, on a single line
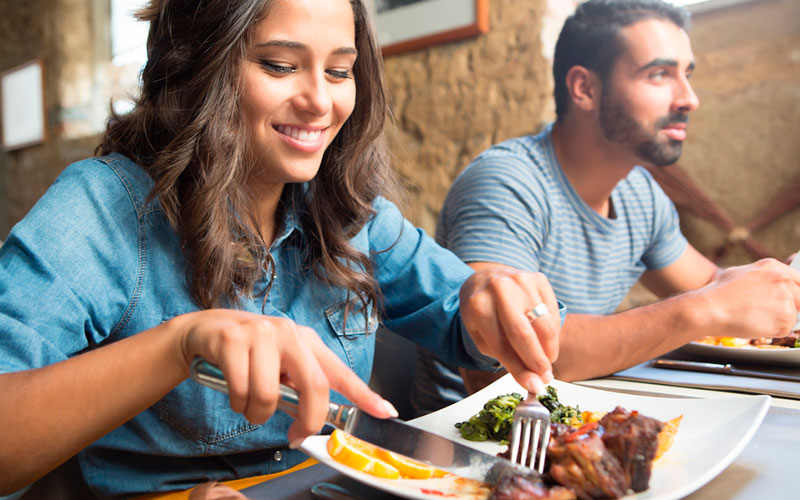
[(672, 118)]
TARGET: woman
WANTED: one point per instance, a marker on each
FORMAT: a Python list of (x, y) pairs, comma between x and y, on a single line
[(238, 213)]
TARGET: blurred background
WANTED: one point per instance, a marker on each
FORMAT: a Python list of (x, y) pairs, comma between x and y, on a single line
[(456, 92)]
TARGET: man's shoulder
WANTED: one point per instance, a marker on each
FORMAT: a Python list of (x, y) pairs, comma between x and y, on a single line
[(526, 147), (517, 158)]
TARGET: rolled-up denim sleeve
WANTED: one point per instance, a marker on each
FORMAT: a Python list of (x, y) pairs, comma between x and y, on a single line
[(65, 273)]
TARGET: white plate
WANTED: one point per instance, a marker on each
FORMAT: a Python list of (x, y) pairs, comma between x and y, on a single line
[(420, 489), (788, 357), (712, 434)]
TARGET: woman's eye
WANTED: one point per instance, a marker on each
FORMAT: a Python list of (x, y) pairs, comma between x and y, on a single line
[(273, 67), (340, 73)]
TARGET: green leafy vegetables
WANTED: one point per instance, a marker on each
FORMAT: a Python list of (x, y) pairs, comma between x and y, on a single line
[(493, 422), (560, 413)]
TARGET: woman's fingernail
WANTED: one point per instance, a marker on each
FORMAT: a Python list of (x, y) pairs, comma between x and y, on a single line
[(547, 377), (535, 385), (389, 407), (296, 443)]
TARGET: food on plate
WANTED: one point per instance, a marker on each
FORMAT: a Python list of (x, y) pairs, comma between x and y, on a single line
[(592, 454), (559, 412), (493, 422), (788, 342), (531, 486), (667, 435), (402, 471), (366, 457)]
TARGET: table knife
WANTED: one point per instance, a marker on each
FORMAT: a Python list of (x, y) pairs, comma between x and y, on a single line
[(393, 434), (725, 369)]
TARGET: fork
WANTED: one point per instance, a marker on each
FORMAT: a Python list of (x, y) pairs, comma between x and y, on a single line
[(530, 433)]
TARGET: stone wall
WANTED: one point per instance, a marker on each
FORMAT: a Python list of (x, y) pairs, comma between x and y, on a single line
[(743, 146), (64, 35), (454, 100)]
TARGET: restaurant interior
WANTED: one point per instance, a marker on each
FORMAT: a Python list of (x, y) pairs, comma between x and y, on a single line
[(736, 185)]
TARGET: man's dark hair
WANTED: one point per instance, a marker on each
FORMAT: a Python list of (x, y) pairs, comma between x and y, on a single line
[(591, 37)]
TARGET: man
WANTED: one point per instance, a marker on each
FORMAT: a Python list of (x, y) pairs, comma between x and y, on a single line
[(572, 203)]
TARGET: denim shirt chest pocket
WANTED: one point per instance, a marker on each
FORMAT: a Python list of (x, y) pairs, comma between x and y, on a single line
[(355, 332), (203, 415)]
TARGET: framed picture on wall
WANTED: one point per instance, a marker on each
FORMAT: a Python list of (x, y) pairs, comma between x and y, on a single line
[(22, 105), (405, 25)]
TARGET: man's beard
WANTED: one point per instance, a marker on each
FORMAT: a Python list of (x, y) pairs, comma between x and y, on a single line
[(621, 127)]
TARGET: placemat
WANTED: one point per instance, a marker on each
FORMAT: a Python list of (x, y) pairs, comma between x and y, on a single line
[(645, 372)]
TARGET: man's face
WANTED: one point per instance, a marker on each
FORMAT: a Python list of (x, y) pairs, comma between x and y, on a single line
[(646, 101)]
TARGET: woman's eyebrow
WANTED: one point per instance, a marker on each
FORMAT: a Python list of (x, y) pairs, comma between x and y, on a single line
[(290, 44)]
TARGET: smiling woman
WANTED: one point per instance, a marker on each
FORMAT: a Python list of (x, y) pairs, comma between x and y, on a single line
[(240, 212)]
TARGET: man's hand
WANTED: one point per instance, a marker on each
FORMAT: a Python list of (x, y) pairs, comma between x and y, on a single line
[(497, 305), (756, 300)]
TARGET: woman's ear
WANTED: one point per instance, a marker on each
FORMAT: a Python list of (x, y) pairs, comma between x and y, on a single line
[(583, 87)]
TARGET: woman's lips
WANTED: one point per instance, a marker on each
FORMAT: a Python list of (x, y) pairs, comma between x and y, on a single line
[(309, 140)]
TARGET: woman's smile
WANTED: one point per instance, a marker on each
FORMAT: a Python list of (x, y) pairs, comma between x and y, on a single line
[(306, 139)]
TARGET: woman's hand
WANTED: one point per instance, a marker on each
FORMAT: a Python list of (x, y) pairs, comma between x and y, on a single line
[(256, 353), (497, 304)]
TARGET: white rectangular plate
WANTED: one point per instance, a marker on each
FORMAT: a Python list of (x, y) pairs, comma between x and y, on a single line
[(712, 434)]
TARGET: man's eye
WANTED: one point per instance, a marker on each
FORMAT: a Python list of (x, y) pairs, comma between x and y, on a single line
[(276, 68), (658, 75)]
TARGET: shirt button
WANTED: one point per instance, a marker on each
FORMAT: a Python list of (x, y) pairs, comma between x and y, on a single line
[(277, 456)]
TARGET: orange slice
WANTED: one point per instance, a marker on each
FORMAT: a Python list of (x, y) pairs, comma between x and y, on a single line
[(366, 457), (358, 454), (409, 468)]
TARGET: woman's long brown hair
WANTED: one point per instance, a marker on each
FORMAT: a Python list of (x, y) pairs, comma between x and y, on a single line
[(187, 131)]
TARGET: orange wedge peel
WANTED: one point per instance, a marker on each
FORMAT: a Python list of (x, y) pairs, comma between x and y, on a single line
[(360, 455)]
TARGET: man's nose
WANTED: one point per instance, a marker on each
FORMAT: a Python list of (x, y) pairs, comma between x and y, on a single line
[(685, 97)]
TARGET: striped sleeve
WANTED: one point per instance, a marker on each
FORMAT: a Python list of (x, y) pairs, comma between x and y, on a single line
[(492, 213)]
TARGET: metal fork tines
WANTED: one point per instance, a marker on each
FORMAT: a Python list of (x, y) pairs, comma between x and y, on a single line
[(530, 434)]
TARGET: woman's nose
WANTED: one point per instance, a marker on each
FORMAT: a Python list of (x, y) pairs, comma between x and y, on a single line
[(315, 96)]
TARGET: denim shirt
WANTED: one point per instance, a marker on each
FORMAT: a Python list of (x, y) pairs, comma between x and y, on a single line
[(93, 263)]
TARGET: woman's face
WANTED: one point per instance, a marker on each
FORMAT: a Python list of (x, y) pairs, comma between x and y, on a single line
[(298, 85)]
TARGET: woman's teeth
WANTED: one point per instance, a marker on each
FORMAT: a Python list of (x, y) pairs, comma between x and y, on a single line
[(298, 133)]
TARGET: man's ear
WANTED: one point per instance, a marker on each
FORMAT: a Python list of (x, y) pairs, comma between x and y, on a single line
[(583, 87)]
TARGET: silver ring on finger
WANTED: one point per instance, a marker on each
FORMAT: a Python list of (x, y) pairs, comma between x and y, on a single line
[(537, 312)]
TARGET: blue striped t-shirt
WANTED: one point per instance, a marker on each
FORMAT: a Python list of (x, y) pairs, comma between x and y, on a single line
[(513, 205)]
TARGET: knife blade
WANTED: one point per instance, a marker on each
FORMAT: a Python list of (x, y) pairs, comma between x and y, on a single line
[(725, 369), (392, 434)]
